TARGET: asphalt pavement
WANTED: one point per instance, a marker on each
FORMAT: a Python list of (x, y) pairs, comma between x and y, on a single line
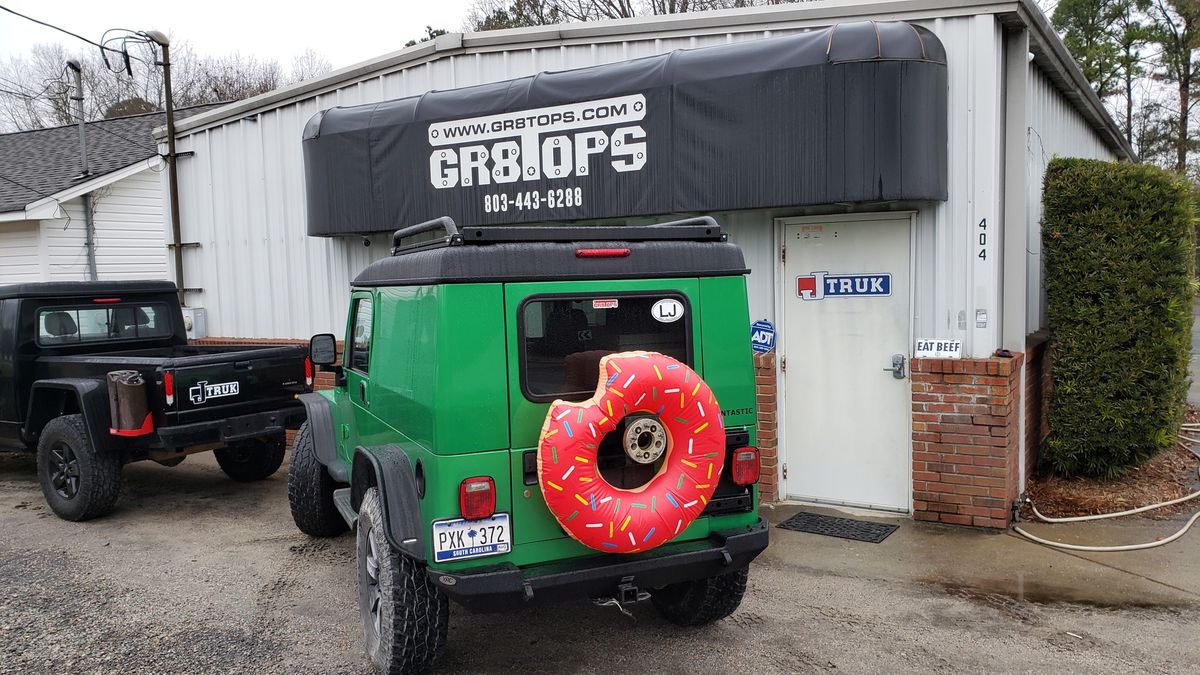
[(195, 573)]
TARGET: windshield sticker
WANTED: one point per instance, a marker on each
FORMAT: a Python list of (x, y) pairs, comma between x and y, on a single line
[(610, 303)]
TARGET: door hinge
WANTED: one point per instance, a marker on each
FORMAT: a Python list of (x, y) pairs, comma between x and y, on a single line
[(785, 470), (783, 364), (783, 253)]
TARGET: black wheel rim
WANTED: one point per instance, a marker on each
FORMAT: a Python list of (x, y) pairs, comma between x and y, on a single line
[(240, 454), (64, 470), (374, 595)]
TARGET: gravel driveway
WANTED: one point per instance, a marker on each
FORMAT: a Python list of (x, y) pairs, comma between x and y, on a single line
[(195, 573)]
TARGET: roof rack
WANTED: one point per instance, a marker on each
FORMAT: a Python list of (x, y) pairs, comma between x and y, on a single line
[(699, 228)]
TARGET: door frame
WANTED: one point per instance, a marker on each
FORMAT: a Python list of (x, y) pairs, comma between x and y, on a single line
[(779, 280)]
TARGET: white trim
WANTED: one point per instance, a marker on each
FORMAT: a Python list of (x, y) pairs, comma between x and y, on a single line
[(1049, 48), (50, 207)]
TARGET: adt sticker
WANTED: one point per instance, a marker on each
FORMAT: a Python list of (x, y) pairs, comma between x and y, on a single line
[(762, 336), (821, 285)]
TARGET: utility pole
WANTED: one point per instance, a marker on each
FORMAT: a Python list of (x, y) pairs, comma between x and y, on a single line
[(172, 170), (89, 224)]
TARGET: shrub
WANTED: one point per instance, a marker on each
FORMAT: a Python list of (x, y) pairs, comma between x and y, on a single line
[(1118, 245)]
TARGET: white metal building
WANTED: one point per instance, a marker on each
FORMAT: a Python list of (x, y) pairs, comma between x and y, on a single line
[(965, 268)]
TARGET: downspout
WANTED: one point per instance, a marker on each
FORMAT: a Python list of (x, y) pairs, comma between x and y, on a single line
[(89, 225)]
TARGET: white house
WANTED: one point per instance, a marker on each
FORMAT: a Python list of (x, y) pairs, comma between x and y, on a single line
[(999, 96), (59, 225)]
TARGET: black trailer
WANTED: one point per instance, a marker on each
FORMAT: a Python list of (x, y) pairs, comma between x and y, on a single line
[(97, 374)]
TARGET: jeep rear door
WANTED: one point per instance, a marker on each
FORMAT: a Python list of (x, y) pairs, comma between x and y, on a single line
[(557, 331)]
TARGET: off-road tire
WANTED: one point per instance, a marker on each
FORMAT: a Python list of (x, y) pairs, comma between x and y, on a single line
[(97, 475), (310, 490), (251, 460), (408, 632), (700, 602)]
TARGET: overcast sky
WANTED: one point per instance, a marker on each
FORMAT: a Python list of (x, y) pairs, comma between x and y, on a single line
[(344, 31)]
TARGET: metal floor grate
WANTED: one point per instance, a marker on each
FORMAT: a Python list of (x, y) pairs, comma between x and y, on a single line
[(846, 528)]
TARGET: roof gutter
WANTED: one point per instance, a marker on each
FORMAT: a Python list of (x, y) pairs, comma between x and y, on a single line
[(1055, 57), (50, 207)]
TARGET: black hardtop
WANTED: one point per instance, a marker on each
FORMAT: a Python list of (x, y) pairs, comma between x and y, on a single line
[(83, 289), (694, 247)]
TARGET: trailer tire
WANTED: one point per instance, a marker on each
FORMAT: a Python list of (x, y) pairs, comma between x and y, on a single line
[(405, 617), (251, 460), (310, 490), (703, 601), (78, 482)]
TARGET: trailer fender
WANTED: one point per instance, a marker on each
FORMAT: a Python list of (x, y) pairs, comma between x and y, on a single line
[(389, 469), (320, 426), (51, 398)]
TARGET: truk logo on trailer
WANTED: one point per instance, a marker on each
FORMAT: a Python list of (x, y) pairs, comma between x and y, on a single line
[(821, 285)]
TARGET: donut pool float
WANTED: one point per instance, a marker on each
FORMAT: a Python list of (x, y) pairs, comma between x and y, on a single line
[(672, 417)]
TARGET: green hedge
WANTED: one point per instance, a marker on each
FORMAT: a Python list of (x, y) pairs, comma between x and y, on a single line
[(1118, 245)]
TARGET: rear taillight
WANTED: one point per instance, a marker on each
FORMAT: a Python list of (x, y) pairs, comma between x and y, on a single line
[(308, 372), (745, 466), (477, 497), (169, 387)]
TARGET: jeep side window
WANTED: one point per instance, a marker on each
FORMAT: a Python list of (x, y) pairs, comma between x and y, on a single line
[(562, 339), (360, 340)]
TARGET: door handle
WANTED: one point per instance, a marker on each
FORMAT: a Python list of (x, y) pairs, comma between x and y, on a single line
[(897, 369), (362, 392)]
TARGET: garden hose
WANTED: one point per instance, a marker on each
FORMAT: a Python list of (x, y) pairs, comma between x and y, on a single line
[(1187, 428)]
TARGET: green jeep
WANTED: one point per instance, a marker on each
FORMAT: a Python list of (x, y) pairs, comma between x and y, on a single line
[(456, 346)]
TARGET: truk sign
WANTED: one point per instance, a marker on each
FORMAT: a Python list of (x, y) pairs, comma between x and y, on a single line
[(821, 285)]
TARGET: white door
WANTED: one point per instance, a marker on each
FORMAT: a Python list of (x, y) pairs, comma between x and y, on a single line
[(846, 317)]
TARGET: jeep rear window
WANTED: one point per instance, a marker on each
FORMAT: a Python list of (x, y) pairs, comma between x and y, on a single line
[(564, 338), (102, 323)]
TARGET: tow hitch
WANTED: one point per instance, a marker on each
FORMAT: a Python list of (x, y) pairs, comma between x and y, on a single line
[(627, 594)]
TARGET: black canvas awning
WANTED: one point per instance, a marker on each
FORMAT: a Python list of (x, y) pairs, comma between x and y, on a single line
[(852, 113)]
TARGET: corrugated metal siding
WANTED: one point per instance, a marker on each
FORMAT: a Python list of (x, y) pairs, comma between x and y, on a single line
[(20, 258), (243, 195), (130, 233), (1055, 129)]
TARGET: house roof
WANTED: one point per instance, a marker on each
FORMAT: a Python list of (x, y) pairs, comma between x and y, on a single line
[(1047, 48), (41, 163)]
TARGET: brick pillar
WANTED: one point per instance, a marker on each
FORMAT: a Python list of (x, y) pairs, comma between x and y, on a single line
[(768, 447), (966, 439), (1037, 397)]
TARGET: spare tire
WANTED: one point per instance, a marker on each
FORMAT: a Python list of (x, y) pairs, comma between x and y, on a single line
[(674, 416)]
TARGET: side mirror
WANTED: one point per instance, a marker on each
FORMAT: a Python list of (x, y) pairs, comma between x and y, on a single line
[(322, 349)]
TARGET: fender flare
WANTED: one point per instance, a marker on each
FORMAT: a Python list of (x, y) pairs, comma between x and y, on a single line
[(320, 427), (389, 469), (47, 398)]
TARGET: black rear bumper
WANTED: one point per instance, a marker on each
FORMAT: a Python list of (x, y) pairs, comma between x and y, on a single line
[(508, 587), (229, 429)]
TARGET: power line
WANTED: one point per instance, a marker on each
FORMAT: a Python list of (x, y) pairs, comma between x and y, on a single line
[(61, 30), (22, 185)]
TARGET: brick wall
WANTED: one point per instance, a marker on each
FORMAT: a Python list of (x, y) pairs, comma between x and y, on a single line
[(768, 434), (966, 439), (1037, 397)]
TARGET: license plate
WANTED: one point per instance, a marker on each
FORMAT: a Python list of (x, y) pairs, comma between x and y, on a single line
[(461, 539)]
